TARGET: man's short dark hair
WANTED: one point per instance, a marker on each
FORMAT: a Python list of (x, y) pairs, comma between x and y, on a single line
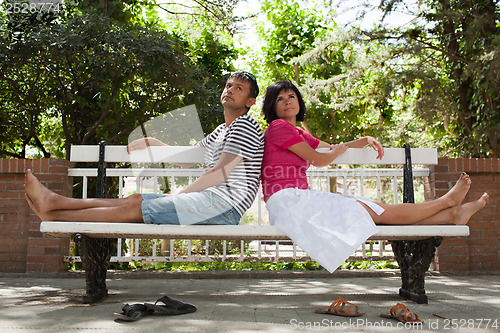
[(272, 93), (248, 77)]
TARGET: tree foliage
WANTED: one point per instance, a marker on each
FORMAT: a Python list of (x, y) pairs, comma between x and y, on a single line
[(303, 45), (96, 73), (189, 16), (433, 82), (97, 69), (289, 32), (436, 80), (101, 79), (456, 45)]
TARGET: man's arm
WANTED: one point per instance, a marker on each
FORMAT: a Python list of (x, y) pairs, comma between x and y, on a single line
[(216, 175), (143, 143)]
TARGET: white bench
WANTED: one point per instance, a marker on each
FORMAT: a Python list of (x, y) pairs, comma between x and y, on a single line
[(413, 246)]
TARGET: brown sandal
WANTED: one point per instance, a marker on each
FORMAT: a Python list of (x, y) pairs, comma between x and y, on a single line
[(338, 308), (401, 313)]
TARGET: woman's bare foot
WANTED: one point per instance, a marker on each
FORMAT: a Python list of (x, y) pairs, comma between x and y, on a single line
[(456, 195), (465, 211), (42, 198)]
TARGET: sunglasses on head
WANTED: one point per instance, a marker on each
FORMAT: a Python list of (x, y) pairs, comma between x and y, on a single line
[(250, 76)]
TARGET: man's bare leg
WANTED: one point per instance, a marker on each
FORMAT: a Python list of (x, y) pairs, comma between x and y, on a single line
[(130, 212), (45, 200), (410, 213)]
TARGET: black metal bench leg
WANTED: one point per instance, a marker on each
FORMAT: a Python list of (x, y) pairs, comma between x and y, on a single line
[(414, 259), (95, 254)]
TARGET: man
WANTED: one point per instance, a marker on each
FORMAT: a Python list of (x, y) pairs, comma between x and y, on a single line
[(220, 196)]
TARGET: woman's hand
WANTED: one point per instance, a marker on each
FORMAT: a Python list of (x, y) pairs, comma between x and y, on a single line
[(363, 142), (376, 145), (339, 149)]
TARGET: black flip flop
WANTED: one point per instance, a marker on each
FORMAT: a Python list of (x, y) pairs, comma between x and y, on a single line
[(170, 306), (132, 312)]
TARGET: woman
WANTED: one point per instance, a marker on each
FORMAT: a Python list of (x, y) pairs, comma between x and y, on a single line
[(330, 227)]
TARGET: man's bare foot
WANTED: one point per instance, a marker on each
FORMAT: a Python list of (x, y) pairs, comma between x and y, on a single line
[(456, 195), (42, 198), (465, 211), (32, 206)]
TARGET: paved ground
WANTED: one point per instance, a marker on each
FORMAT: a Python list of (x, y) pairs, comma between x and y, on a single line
[(246, 302)]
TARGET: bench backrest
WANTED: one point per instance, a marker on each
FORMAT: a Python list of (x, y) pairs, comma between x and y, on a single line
[(195, 155), (189, 154)]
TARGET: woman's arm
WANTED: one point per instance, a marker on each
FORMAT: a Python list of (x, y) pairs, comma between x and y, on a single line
[(216, 175), (323, 144), (314, 157), (318, 159)]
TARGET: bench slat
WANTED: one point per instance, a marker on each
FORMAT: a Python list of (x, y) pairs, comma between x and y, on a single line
[(315, 172), (170, 154), (190, 154), (391, 156), (250, 232)]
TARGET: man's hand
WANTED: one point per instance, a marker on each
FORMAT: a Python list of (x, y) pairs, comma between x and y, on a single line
[(143, 143)]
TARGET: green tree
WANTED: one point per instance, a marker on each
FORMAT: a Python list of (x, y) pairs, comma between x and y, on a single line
[(305, 46), (215, 57), (433, 82), (445, 65), (191, 17), (89, 77), (101, 79), (465, 40), (288, 32), (360, 86), (208, 28)]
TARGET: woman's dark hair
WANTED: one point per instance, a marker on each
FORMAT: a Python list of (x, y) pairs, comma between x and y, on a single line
[(272, 93)]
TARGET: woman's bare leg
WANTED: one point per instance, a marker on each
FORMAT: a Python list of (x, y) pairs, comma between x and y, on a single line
[(45, 200), (459, 215), (410, 213), (129, 212)]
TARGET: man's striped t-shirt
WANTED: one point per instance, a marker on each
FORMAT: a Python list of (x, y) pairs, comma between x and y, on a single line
[(243, 137)]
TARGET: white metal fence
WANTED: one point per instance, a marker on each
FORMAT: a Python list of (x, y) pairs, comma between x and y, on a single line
[(379, 184)]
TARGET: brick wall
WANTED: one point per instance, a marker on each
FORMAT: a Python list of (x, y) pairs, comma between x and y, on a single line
[(481, 250), (23, 248)]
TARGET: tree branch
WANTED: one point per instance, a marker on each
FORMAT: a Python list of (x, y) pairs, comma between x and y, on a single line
[(8, 153), (39, 144)]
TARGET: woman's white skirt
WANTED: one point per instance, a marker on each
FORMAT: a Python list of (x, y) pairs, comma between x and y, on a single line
[(328, 226)]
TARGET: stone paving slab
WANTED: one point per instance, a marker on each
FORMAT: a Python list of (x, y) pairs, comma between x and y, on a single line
[(270, 303)]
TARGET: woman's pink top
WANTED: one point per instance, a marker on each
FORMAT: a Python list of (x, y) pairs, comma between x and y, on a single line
[(280, 167)]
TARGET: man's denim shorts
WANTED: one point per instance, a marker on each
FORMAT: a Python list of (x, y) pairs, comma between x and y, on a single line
[(188, 208)]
